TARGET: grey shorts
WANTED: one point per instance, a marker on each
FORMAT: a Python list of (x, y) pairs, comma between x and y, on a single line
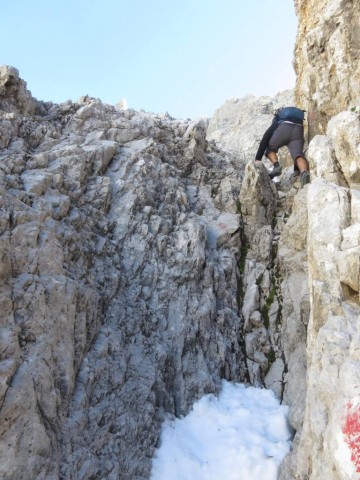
[(290, 135)]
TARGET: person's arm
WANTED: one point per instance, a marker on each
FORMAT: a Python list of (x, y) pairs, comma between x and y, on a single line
[(265, 139)]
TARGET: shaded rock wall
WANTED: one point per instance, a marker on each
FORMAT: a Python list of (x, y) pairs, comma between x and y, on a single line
[(274, 269), (311, 321), (327, 59)]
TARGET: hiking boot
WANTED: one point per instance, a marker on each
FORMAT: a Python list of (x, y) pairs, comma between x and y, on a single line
[(276, 171), (304, 178)]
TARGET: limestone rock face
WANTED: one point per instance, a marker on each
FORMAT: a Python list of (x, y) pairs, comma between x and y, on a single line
[(144, 259), (293, 270), (344, 132), (275, 304), (320, 262), (138, 269), (119, 241), (13, 93), (273, 264), (327, 59), (324, 447)]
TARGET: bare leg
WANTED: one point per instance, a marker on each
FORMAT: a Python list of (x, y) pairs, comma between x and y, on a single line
[(272, 157), (302, 164)]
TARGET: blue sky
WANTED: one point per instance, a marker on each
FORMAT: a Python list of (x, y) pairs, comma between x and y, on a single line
[(185, 58)]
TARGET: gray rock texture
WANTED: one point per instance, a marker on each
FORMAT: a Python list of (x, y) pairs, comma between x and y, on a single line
[(139, 269), (326, 59), (327, 445), (144, 259), (13, 93), (119, 283)]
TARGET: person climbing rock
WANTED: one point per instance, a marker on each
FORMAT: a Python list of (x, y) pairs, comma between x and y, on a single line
[(287, 130)]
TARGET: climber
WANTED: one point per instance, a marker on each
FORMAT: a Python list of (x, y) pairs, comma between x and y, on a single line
[(287, 130)]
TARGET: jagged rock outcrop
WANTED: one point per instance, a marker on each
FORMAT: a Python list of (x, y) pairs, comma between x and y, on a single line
[(328, 443), (274, 258), (312, 299), (14, 97), (327, 59), (258, 198), (139, 269), (314, 267), (144, 259), (119, 283), (293, 273)]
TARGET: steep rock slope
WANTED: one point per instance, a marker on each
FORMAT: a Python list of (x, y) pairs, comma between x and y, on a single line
[(276, 304), (315, 266), (327, 66), (329, 440), (327, 59), (119, 288), (139, 269)]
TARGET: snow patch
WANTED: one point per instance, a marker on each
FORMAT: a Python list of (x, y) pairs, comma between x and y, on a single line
[(242, 434)]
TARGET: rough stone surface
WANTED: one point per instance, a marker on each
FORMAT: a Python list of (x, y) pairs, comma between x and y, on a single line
[(119, 284), (325, 445), (13, 93), (144, 259), (292, 260), (270, 285), (344, 132), (138, 270), (326, 59)]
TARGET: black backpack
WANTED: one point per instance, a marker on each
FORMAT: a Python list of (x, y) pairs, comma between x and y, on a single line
[(292, 114)]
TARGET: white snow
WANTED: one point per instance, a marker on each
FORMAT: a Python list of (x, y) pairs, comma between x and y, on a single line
[(241, 435)]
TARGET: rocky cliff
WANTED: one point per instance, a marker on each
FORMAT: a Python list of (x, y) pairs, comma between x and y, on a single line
[(329, 439), (327, 65), (327, 59), (145, 258), (119, 289), (138, 269)]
